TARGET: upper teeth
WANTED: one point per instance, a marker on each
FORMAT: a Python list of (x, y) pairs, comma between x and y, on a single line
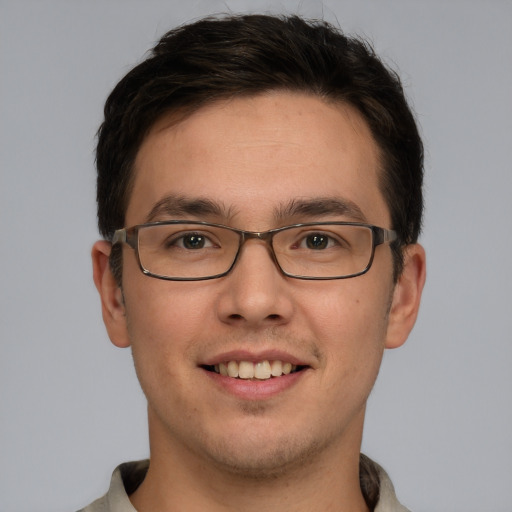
[(260, 370)]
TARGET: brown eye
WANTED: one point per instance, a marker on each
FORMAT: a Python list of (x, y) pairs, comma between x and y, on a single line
[(193, 241), (317, 241), (189, 241)]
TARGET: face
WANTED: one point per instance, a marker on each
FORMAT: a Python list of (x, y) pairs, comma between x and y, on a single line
[(254, 159)]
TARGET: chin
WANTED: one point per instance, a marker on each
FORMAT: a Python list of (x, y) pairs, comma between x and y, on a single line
[(264, 459)]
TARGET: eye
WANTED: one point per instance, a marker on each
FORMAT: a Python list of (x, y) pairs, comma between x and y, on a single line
[(191, 241), (317, 241)]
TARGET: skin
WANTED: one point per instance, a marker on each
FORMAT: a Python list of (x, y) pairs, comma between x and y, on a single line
[(213, 448)]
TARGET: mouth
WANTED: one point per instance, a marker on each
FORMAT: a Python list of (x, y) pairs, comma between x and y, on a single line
[(260, 370)]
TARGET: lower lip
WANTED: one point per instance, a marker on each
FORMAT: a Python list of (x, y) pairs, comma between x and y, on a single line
[(256, 389)]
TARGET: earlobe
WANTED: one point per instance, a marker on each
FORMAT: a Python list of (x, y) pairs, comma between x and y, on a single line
[(406, 296), (112, 303)]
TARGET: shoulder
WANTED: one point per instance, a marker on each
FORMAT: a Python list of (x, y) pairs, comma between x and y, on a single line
[(125, 480), (100, 505), (388, 502)]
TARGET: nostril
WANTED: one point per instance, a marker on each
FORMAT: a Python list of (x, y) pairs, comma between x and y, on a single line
[(273, 317)]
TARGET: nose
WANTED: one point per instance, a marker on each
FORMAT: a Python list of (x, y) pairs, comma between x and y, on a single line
[(255, 293)]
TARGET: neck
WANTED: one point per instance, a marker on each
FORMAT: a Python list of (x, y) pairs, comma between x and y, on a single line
[(180, 480)]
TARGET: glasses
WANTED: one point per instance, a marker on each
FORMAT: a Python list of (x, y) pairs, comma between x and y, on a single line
[(191, 250)]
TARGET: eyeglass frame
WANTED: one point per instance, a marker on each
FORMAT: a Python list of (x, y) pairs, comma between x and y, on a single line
[(130, 237)]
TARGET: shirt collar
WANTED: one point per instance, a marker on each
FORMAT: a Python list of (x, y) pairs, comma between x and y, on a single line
[(128, 476)]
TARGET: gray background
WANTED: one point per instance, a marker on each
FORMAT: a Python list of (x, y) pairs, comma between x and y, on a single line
[(440, 417)]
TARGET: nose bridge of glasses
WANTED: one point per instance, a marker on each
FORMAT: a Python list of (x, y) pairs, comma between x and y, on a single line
[(263, 236), (259, 236)]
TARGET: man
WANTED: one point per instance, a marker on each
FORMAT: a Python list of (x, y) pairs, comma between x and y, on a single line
[(259, 192)]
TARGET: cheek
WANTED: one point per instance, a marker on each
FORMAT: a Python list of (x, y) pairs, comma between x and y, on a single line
[(165, 321), (348, 312), (164, 325), (168, 309), (350, 328)]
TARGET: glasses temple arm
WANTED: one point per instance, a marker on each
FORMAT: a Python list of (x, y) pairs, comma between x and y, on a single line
[(119, 237)]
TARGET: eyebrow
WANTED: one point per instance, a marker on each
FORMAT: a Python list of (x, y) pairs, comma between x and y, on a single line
[(321, 206), (181, 206)]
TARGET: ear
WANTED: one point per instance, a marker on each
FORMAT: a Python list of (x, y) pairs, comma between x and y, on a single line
[(406, 296), (112, 303)]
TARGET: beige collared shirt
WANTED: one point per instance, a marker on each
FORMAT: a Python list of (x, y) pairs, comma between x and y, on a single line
[(128, 476)]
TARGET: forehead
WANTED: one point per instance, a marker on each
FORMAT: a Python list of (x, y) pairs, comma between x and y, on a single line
[(253, 156)]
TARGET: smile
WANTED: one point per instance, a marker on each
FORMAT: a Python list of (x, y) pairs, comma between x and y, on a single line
[(261, 370)]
